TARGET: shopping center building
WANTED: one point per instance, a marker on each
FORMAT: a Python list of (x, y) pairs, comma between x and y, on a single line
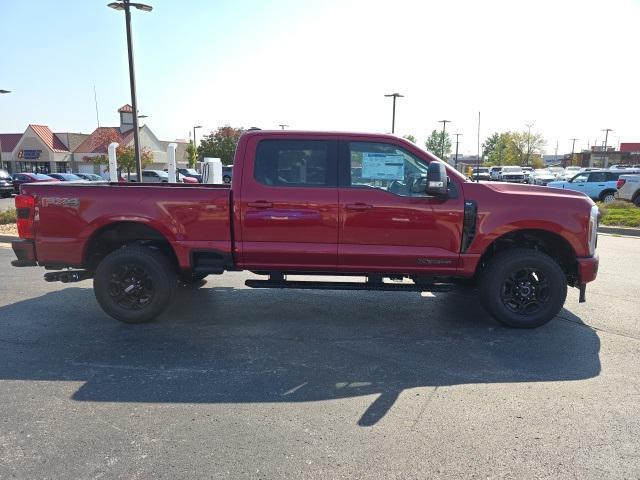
[(38, 149)]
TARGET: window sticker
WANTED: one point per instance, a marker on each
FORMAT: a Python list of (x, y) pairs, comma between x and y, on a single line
[(382, 166)]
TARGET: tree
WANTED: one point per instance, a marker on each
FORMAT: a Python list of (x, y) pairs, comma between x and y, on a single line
[(191, 154), (125, 155), (495, 148), (220, 144), (527, 146), (513, 148), (434, 144), (410, 137)]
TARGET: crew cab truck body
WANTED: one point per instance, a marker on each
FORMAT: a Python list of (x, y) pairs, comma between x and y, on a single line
[(316, 204)]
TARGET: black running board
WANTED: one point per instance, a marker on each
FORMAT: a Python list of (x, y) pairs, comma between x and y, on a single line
[(379, 286)]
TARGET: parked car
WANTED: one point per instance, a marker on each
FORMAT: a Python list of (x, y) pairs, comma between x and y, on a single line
[(67, 177), (598, 184), (185, 179), (571, 171), (190, 172), (512, 174), (91, 177), (557, 171), (628, 187), (292, 208), (22, 178), (6, 184), (480, 173), (154, 176), (527, 173), (227, 173), (494, 173), (542, 177)]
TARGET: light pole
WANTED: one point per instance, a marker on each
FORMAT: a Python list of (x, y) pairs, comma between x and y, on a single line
[(393, 117), (283, 125), (126, 6), (528, 125), (1, 162), (444, 126), (573, 148), (605, 162), (455, 162), (195, 144)]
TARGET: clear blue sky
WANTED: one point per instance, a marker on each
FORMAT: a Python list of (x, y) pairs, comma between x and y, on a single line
[(569, 67)]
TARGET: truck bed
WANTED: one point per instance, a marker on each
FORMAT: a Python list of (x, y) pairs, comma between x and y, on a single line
[(68, 215)]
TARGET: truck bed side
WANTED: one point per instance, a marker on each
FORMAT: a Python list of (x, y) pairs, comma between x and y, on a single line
[(189, 218)]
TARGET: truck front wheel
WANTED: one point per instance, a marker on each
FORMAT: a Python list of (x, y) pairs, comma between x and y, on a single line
[(134, 284), (522, 288)]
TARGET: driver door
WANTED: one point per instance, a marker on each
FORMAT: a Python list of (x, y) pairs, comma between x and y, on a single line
[(387, 222)]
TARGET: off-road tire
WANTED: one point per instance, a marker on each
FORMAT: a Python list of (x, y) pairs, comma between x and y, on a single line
[(497, 275), (159, 276)]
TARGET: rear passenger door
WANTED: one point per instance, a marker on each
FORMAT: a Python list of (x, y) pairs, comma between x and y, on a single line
[(289, 204), (597, 184)]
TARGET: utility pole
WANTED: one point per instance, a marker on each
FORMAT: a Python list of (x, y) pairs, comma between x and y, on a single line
[(605, 162), (528, 125), (555, 155), (573, 148), (444, 127), (455, 164), (393, 117)]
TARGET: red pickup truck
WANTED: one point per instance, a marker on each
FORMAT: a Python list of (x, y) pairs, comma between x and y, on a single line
[(316, 203)]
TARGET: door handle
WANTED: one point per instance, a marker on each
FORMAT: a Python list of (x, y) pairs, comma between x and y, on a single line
[(601, 185), (260, 204), (358, 206)]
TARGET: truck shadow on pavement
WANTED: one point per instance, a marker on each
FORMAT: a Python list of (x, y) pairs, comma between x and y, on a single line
[(226, 345)]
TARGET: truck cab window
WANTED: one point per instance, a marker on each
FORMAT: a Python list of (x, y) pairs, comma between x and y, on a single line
[(295, 163), (387, 167)]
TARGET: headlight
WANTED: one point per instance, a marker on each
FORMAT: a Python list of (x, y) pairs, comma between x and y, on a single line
[(593, 229)]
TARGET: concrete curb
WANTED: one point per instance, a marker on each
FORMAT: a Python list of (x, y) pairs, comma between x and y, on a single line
[(627, 231)]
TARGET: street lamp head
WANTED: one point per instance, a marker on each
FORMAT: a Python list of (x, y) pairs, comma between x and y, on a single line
[(393, 95), (126, 4), (142, 6), (5, 91), (198, 126)]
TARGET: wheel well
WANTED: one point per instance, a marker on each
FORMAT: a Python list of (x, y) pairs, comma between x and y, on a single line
[(117, 235), (541, 240), (605, 192)]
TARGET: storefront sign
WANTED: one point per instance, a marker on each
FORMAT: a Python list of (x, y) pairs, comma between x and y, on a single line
[(29, 154)]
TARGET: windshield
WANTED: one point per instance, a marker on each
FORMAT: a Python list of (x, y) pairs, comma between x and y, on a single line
[(39, 176), (511, 169), (191, 171)]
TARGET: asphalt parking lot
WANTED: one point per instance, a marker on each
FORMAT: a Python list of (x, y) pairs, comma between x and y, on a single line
[(239, 383), (6, 203)]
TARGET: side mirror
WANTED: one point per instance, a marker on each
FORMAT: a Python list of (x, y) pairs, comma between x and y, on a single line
[(437, 181)]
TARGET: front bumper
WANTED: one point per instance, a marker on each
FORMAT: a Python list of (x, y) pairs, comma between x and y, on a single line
[(25, 250), (588, 268)]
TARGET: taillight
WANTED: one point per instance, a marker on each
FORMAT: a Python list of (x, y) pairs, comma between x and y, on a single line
[(25, 211), (620, 183)]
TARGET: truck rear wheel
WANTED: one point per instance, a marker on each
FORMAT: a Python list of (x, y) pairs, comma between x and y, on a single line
[(134, 284), (522, 288)]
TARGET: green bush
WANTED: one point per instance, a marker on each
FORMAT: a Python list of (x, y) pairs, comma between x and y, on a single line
[(8, 216), (619, 214)]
